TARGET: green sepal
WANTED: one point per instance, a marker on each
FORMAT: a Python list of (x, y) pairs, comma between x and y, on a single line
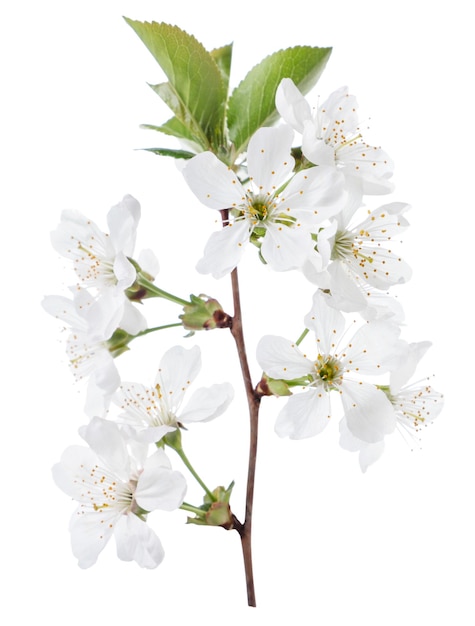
[(216, 512), (272, 387), (204, 313), (117, 344), (252, 103), (173, 440)]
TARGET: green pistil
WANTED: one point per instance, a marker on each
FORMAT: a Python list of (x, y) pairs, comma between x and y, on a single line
[(328, 371), (343, 245), (259, 210)]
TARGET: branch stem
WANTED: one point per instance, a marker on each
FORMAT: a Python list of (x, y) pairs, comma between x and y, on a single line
[(245, 529)]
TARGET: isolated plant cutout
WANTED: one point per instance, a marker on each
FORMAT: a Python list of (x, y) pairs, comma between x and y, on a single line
[(291, 183)]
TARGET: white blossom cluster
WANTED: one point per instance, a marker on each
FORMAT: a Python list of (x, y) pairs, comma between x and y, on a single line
[(304, 212), (115, 481), (312, 217)]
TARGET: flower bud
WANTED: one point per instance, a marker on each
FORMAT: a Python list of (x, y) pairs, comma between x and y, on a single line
[(204, 313), (216, 511), (272, 387)]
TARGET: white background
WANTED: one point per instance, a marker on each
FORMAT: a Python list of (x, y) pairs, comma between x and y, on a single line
[(332, 546)]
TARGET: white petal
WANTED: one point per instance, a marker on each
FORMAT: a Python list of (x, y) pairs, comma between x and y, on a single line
[(412, 355), (105, 438), (102, 384), (90, 531), (152, 434), (158, 486), (327, 323), (280, 358), (291, 104), (178, 369), (149, 262), (64, 309), (132, 321), (67, 474), (124, 271), (370, 164), (369, 414), (340, 109), (76, 235), (374, 348), (269, 159), (212, 182), (286, 248), (103, 315), (305, 415), (123, 219), (207, 403), (314, 148), (136, 541), (347, 440), (315, 195), (370, 453), (224, 249), (346, 293)]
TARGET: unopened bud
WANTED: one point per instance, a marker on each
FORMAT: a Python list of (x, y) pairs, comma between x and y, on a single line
[(204, 313), (272, 387)]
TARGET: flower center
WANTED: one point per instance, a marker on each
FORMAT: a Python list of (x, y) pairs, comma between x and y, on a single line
[(259, 210), (328, 371)]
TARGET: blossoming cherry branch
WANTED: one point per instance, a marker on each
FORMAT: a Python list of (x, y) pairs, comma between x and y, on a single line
[(293, 183)]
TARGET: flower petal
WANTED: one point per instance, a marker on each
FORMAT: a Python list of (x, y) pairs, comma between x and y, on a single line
[(280, 358), (315, 194), (90, 531), (291, 105), (327, 323), (123, 219), (158, 486), (105, 438), (136, 541), (224, 249), (286, 248), (212, 182), (207, 403), (178, 369), (269, 160), (305, 415), (369, 414)]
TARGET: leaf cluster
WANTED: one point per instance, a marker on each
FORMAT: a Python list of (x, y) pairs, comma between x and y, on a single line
[(206, 115)]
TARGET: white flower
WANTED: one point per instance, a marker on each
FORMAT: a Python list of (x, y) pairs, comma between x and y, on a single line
[(91, 323), (100, 259), (114, 492), (362, 261), (331, 136), (415, 405), (278, 211), (154, 411), (337, 367)]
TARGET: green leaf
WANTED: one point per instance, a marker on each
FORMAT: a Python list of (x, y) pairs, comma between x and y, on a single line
[(176, 154), (223, 58), (252, 103), (173, 128), (196, 92)]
